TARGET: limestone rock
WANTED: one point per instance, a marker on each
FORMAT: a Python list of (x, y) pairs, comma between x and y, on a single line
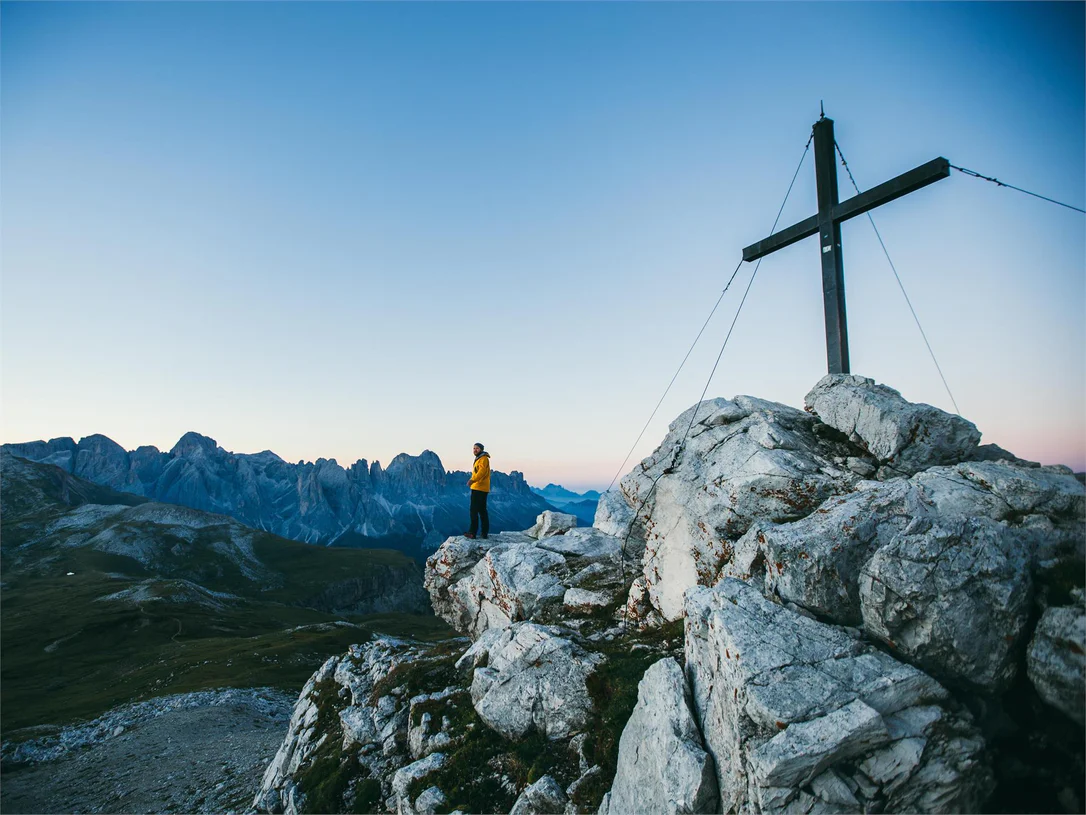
[(584, 601), (534, 679), (614, 516), (424, 735), (887, 555), (905, 436), (662, 763), (589, 544), (405, 776), (954, 599), (1056, 662), (744, 460), (513, 577), (815, 562), (544, 797), (453, 560), (510, 583), (276, 791), (784, 701), (346, 682), (552, 523), (429, 800)]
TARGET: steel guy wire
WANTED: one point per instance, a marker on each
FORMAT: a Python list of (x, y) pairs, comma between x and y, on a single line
[(682, 444), (901, 285), (999, 183)]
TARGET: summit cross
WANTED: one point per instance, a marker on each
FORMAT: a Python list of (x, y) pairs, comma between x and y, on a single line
[(827, 224)]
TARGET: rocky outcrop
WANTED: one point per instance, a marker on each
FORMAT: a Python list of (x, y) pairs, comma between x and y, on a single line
[(1057, 658), (534, 679), (903, 436), (662, 763), (857, 584), (414, 498), (744, 460), (939, 566), (353, 704), (512, 577), (954, 598), (798, 715)]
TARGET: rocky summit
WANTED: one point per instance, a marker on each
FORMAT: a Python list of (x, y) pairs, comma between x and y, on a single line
[(412, 502), (852, 607)]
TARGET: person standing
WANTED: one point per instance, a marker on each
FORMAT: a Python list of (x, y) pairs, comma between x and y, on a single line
[(480, 488)]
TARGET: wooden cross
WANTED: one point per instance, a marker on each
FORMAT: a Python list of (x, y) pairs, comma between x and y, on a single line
[(827, 224)]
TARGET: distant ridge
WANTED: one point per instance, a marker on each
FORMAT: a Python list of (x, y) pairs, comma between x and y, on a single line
[(411, 505), (583, 505)]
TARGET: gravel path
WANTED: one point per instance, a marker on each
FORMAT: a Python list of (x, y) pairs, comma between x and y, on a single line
[(191, 757)]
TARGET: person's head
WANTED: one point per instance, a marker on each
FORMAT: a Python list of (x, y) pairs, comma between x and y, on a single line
[(478, 448)]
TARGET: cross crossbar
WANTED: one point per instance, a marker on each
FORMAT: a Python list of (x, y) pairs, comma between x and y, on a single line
[(934, 170), (827, 225)]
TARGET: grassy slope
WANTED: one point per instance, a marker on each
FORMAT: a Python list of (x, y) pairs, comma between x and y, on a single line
[(67, 654)]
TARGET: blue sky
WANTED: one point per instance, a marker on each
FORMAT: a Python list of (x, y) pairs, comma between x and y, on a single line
[(347, 230)]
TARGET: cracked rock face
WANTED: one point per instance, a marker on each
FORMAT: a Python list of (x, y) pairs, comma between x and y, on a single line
[(938, 566), (954, 599), (799, 715), (534, 680), (744, 460), (513, 577), (377, 728), (815, 562), (904, 436), (662, 763), (544, 797), (1056, 662)]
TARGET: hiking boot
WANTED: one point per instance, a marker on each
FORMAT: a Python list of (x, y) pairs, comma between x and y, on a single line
[(469, 535)]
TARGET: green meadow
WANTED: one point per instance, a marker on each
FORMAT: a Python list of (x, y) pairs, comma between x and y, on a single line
[(186, 618)]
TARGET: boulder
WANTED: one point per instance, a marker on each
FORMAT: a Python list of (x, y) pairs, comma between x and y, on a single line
[(954, 599), (406, 776), (544, 797), (534, 679), (513, 577), (614, 516), (800, 715), (511, 583), (903, 436), (1056, 662), (552, 523), (662, 763), (744, 460), (589, 544)]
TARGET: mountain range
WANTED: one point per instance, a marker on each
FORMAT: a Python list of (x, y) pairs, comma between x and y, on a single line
[(111, 598), (411, 505), (581, 505)]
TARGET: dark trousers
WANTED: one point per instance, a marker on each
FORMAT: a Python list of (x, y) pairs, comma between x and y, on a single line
[(478, 510)]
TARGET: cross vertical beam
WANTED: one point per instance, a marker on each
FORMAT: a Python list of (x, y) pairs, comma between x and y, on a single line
[(829, 235), (826, 223)]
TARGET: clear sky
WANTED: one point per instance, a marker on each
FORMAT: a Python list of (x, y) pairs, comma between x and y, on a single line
[(350, 230)]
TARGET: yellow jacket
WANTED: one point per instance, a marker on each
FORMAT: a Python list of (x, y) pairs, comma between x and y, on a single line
[(480, 473)]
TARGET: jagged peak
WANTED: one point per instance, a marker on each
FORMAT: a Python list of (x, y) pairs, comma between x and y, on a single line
[(98, 440), (193, 441)]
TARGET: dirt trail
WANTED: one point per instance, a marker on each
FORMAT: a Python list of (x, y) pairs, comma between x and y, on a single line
[(202, 759)]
